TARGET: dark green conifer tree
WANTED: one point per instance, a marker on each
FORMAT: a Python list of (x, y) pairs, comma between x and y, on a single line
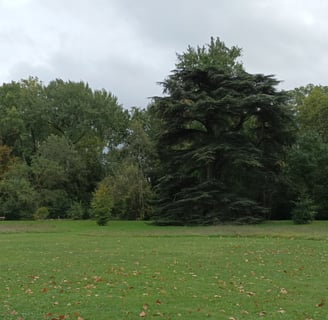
[(222, 139)]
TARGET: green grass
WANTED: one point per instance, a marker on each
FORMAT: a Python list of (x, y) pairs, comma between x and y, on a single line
[(131, 270)]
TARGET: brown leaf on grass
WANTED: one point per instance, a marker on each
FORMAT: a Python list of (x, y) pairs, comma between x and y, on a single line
[(321, 304), (142, 314), (283, 291), (145, 306), (158, 302), (80, 318), (97, 279), (44, 290), (262, 314)]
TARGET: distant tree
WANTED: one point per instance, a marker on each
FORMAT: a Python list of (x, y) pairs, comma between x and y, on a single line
[(58, 169), (130, 191), (18, 199), (222, 138), (102, 203), (306, 163), (6, 159), (63, 132), (312, 111), (23, 109), (307, 171)]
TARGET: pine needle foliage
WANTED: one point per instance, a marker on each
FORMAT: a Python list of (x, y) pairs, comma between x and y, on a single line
[(222, 138)]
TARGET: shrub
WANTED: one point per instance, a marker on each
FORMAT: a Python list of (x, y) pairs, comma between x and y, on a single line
[(102, 204), (76, 211), (304, 211), (41, 213)]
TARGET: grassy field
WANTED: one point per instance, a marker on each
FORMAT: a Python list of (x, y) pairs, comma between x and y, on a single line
[(130, 270)]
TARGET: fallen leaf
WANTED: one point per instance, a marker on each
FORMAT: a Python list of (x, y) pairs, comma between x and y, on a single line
[(158, 302), (283, 291), (142, 314), (145, 306), (321, 304)]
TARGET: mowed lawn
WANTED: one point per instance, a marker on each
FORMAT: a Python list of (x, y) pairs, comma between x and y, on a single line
[(132, 270)]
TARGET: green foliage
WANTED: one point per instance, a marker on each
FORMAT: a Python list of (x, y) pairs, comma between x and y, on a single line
[(304, 211), (76, 211), (307, 160), (41, 213), (222, 138), (6, 159), (130, 192), (307, 170), (312, 111), (18, 199), (61, 131), (215, 54), (102, 204)]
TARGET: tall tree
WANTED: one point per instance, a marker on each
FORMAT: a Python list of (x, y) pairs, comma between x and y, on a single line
[(63, 126), (306, 168), (23, 112), (223, 132)]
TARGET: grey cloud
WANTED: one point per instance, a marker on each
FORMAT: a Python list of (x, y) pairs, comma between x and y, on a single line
[(128, 46)]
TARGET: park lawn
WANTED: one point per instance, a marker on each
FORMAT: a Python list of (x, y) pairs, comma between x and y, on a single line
[(131, 270)]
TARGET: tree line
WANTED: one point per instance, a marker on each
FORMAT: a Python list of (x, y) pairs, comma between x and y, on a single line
[(220, 145)]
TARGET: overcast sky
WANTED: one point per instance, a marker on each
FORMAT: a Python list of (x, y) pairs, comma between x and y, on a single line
[(127, 46)]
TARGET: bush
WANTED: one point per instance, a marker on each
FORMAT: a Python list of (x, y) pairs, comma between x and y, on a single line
[(41, 213), (304, 211), (76, 211), (102, 204)]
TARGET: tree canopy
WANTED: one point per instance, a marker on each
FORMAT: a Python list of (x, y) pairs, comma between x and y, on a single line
[(223, 133)]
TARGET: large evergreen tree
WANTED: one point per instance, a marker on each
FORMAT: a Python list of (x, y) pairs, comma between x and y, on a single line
[(222, 138)]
